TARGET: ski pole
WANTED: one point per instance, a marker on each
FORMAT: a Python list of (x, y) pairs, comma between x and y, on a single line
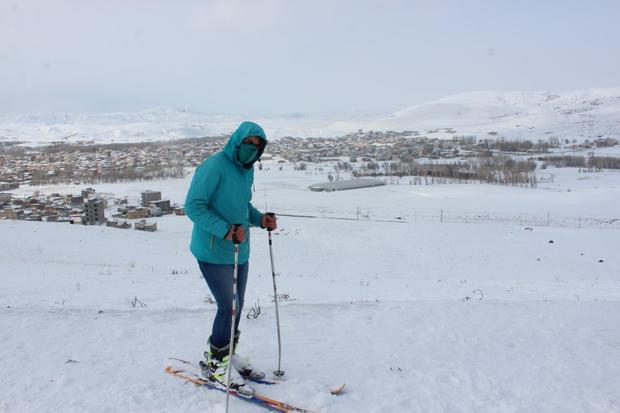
[(235, 241), (278, 372)]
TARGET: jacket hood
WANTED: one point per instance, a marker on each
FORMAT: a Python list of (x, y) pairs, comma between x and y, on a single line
[(243, 131)]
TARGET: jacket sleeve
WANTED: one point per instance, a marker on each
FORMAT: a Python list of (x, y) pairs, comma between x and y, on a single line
[(197, 203), (255, 215)]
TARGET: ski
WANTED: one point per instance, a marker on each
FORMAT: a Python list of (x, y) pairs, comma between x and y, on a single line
[(197, 380), (335, 391), (256, 398)]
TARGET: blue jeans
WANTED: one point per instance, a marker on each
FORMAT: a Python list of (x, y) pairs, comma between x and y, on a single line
[(219, 278)]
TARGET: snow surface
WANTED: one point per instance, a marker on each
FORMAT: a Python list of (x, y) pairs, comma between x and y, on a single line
[(419, 316), (580, 115)]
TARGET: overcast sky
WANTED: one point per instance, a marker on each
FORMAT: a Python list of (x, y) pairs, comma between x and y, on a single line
[(277, 56)]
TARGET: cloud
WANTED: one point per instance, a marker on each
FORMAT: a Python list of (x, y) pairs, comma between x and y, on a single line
[(237, 16)]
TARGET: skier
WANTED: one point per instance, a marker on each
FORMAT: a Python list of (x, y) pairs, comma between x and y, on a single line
[(218, 198)]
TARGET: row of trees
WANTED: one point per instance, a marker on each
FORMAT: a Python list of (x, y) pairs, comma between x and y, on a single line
[(593, 163), (495, 170), (518, 145), (144, 173)]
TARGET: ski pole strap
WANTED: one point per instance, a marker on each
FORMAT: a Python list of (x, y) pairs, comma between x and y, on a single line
[(235, 239), (272, 215)]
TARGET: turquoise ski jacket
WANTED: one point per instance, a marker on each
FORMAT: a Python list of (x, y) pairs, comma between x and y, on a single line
[(219, 196)]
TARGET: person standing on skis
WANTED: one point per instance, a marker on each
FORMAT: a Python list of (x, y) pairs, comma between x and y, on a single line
[(218, 198)]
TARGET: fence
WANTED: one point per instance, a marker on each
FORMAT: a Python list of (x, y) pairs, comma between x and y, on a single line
[(443, 216)]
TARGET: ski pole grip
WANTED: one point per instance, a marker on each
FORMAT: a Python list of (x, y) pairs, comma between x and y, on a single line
[(272, 215), (235, 239)]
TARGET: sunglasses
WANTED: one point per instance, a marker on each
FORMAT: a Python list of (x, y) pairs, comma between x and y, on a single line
[(250, 141)]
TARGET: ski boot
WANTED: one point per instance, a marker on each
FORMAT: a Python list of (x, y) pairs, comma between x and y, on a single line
[(215, 369), (242, 364)]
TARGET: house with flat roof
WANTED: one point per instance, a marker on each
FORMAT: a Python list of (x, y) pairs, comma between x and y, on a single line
[(145, 226)]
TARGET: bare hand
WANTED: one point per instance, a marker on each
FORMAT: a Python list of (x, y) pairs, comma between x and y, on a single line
[(269, 221), (239, 231)]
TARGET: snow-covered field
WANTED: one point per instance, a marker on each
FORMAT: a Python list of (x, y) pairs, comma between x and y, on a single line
[(418, 316)]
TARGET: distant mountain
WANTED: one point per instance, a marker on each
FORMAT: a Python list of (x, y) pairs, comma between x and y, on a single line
[(152, 124), (584, 114), (574, 115), (155, 124)]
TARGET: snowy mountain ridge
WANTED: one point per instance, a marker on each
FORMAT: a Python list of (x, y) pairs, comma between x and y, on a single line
[(580, 115)]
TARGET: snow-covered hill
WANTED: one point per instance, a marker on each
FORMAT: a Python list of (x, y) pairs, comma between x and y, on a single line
[(415, 317), (580, 115)]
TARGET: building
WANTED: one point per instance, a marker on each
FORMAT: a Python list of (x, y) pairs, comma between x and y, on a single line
[(163, 205), (77, 201), (7, 186), (137, 213), (94, 211), (344, 185), (10, 213), (56, 218), (117, 224), (144, 226), (76, 219), (150, 196), (30, 215), (4, 198), (154, 211), (88, 193)]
